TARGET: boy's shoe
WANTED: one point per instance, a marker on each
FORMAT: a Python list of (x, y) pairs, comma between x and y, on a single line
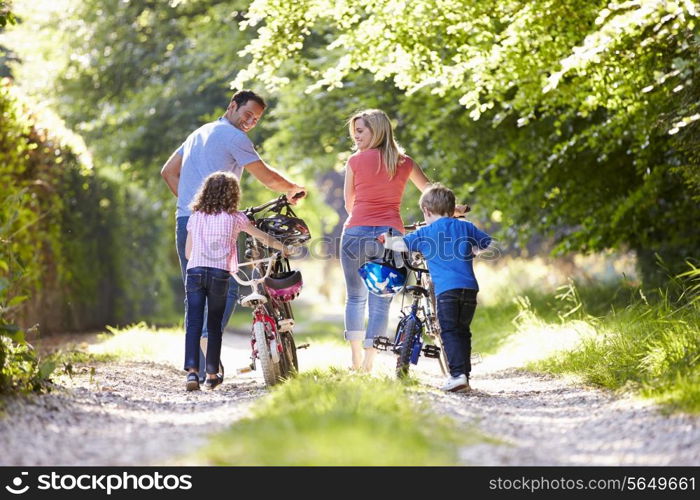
[(212, 383), (192, 382), (456, 384)]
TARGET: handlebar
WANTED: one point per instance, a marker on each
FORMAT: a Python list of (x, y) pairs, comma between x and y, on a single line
[(277, 203), (255, 281), (416, 225), (407, 263)]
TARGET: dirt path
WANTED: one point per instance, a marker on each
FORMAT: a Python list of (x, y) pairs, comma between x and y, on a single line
[(137, 413)]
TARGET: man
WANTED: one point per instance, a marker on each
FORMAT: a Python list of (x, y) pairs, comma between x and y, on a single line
[(216, 146)]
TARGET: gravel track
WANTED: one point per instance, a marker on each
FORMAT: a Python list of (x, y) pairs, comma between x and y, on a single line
[(138, 413)]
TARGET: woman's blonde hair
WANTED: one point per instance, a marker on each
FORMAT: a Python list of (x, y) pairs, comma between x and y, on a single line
[(219, 192), (378, 123)]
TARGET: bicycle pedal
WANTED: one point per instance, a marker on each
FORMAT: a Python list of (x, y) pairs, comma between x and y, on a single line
[(382, 343), (246, 369), (431, 351), (303, 346)]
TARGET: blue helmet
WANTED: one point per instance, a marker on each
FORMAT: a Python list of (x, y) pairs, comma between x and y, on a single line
[(381, 278)]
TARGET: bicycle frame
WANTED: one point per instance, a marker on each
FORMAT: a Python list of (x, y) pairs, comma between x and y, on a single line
[(272, 343)]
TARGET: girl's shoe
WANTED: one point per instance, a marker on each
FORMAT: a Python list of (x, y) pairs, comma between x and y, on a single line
[(211, 383), (192, 381)]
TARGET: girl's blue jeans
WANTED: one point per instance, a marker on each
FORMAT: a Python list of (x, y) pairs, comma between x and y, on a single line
[(358, 245), (231, 300), (205, 286)]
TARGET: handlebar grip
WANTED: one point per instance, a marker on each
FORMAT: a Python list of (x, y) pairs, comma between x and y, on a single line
[(298, 195)]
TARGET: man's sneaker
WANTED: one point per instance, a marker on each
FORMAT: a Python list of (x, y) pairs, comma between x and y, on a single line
[(192, 382), (456, 384)]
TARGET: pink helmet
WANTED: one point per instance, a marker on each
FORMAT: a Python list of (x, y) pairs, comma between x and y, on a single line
[(284, 286)]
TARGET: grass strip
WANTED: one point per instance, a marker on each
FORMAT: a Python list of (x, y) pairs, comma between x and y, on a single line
[(651, 346), (334, 418)]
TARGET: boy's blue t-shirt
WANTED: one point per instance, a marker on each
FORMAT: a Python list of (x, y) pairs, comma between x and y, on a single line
[(447, 245)]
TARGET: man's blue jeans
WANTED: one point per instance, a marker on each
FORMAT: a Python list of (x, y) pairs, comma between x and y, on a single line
[(358, 245), (231, 298), (455, 311), (205, 286)]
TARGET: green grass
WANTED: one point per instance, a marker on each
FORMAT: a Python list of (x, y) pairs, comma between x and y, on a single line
[(337, 418), (319, 331), (649, 347), (492, 325)]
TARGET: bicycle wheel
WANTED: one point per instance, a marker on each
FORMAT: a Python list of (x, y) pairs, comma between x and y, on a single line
[(269, 368), (435, 327), (408, 332), (288, 360), (442, 360)]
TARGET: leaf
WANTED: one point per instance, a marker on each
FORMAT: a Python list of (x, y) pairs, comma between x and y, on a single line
[(46, 368), (13, 332)]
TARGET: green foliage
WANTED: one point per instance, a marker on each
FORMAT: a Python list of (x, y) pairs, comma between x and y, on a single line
[(587, 112), (133, 78), (20, 368), (651, 346), (6, 15), (70, 234), (332, 418)]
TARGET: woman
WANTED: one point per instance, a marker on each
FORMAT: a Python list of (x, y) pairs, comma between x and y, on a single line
[(375, 179)]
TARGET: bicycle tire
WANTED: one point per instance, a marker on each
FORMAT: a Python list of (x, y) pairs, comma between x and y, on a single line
[(269, 369), (408, 331), (289, 362), (442, 360)]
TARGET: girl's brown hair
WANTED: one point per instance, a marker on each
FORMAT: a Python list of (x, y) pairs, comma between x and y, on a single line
[(220, 192)]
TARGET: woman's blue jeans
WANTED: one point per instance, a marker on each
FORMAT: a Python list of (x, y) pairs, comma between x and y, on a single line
[(358, 245), (205, 286)]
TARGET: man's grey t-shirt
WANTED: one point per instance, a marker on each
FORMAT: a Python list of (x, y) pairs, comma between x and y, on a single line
[(211, 148)]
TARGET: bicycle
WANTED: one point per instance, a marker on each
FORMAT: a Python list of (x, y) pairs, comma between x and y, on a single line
[(419, 318), (272, 340)]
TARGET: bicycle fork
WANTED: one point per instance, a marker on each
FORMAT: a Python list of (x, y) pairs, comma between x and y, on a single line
[(270, 329)]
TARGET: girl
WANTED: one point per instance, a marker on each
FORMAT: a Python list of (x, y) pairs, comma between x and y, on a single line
[(212, 230), (375, 179)]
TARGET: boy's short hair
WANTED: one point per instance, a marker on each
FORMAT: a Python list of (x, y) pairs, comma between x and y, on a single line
[(438, 199)]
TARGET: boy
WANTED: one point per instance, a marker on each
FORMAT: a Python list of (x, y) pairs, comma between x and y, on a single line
[(448, 246)]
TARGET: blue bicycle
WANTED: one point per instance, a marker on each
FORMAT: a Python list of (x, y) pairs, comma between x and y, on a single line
[(418, 318)]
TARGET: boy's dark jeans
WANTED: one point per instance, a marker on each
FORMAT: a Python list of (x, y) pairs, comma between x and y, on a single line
[(455, 310), (205, 286)]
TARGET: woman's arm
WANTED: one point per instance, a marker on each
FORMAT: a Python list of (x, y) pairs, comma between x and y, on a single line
[(422, 182), (419, 178), (349, 188)]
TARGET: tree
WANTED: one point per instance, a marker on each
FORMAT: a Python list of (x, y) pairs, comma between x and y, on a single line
[(578, 119)]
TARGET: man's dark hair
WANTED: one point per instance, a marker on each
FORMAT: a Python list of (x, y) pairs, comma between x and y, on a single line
[(243, 96)]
